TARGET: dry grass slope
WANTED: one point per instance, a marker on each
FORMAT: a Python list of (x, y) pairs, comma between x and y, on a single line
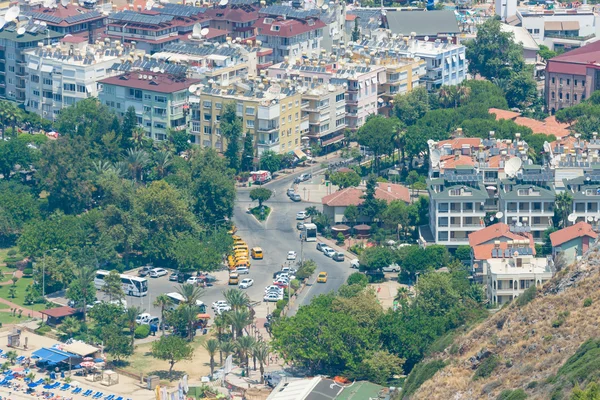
[(531, 342)]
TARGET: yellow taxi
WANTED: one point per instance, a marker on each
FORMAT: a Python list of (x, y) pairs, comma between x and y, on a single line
[(257, 253), (234, 279), (232, 230), (322, 278), (240, 253)]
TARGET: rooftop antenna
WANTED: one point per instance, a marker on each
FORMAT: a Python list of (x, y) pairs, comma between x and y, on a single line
[(204, 32), (196, 32), (572, 218), (64, 3), (12, 14), (512, 166), (436, 155), (149, 4)]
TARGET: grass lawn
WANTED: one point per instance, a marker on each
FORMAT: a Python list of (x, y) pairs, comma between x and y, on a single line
[(20, 294), (4, 253), (7, 318), (261, 216)]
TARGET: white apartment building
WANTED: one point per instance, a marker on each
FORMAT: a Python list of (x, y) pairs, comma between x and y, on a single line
[(325, 108), (60, 76), (510, 276)]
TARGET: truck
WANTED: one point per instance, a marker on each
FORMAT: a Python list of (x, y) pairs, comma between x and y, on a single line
[(260, 177), (310, 233)]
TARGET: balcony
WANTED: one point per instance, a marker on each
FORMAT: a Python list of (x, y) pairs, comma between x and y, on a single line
[(570, 37), (267, 129)]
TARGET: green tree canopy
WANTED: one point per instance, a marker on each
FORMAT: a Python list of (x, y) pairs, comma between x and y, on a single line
[(173, 349), (261, 195)]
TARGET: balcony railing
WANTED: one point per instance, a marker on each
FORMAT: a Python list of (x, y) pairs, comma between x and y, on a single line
[(562, 36), (268, 142)]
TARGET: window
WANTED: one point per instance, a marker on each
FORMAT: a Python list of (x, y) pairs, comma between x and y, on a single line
[(289, 118), (339, 97), (249, 110), (69, 87), (560, 81), (36, 93), (340, 121), (250, 124), (296, 117), (568, 81), (147, 97), (47, 81), (135, 93), (195, 126), (553, 95), (218, 106), (536, 31), (206, 104), (160, 99), (560, 95), (575, 97), (575, 82), (553, 80), (567, 96), (57, 97), (159, 125), (80, 88), (35, 78), (283, 108), (207, 130), (207, 117), (147, 109), (11, 69), (324, 103), (160, 111), (239, 109)]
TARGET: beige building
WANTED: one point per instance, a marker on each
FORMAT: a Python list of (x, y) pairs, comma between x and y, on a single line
[(324, 106), (272, 114), (400, 78)]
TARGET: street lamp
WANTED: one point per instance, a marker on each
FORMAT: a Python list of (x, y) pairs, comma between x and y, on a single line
[(44, 273), (220, 220)]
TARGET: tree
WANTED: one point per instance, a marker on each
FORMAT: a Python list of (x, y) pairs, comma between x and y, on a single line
[(463, 253), (12, 292), (211, 346), (563, 207), (410, 107), (345, 179), (127, 126), (237, 299), (116, 344), (113, 286), (545, 53), (89, 119), (191, 293), (82, 290), (245, 344), (261, 195), (231, 129), (17, 207), (189, 314), (371, 207), (270, 161), (356, 31), (398, 215), (130, 316), (351, 213), (172, 349), (381, 366), (358, 278), (436, 294), (260, 351), (11, 356), (375, 258), (180, 140), (521, 89), (69, 327), (377, 134), (227, 348), (248, 153), (137, 159), (239, 319), (163, 301), (14, 154)]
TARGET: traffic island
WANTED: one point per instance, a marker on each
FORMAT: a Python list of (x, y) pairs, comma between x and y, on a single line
[(260, 213)]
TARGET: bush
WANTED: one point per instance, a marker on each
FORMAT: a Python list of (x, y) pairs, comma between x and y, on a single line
[(27, 272), (557, 323), (340, 239), (508, 394), (142, 331), (11, 252), (587, 302), (12, 259), (358, 278), (420, 373), (527, 296), (486, 368), (357, 249), (43, 329)]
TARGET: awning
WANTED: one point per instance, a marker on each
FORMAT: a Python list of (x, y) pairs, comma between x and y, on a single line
[(46, 68), (203, 316), (367, 82), (453, 58), (553, 26), (570, 25), (448, 60), (33, 66), (461, 56), (373, 80), (52, 356), (81, 349), (299, 153)]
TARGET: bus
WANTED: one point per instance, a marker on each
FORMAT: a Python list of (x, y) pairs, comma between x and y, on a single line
[(132, 285), (177, 299), (310, 233)]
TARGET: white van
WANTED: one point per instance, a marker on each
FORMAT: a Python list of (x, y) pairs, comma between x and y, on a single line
[(177, 299)]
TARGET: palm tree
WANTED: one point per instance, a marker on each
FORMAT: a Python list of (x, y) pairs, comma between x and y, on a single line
[(190, 293), (190, 313), (31, 376), (445, 95), (261, 353), (461, 94), (138, 137), (211, 345), (11, 356), (101, 166), (131, 315), (220, 323), (137, 159), (237, 299), (238, 320), (121, 168), (69, 327), (563, 204), (84, 278), (402, 296), (244, 347), (163, 162), (163, 301), (227, 348)]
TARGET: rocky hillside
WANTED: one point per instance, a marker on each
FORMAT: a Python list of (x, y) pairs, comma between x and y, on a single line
[(537, 350)]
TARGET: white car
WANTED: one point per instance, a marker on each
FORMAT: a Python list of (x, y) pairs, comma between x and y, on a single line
[(301, 215), (272, 288), (329, 251), (391, 268), (355, 263), (194, 280), (288, 270), (157, 272), (143, 318), (242, 270), (246, 283), (291, 255), (219, 303), (273, 297), (222, 309)]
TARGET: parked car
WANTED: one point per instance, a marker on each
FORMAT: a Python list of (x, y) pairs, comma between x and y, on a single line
[(157, 272), (301, 215), (142, 318), (302, 178), (321, 246), (288, 270), (234, 278), (145, 270), (218, 303), (194, 280), (291, 255), (322, 278), (290, 192), (391, 268), (273, 297), (242, 270), (329, 252), (277, 274), (222, 309), (354, 263), (90, 306), (300, 226), (174, 276), (152, 321), (337, 256), (246, 283), (296, 197)]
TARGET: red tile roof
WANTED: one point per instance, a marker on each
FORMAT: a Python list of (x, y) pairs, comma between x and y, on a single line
[(451, 161), (162, 83), (503, 114), (233, 13), (63, 13), (549, 126), (577, 60), (59, 312), (353, 195), (74, 39), (480, 240), (458, 143), (214, 33), (287, 27), (578, 230)]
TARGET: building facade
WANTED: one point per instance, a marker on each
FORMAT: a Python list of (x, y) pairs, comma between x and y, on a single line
[(325, 108)]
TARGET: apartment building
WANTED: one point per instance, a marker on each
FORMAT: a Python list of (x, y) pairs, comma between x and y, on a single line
[(325, 108), (571, 157), (60, 76), (572, 77), (400, 78), (70, 20), (527, 200), (290, 32), (13, 78), (445, 61), (509, 276), (160, 99), (236, 19), (270, 113), (585, 191), (559, 28), (572, 242)]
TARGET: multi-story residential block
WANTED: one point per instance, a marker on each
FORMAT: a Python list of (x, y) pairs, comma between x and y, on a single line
[(572, 242), (13, 78), (70, 19), (61, 76), (518, 270), (527, 200), (236, 19), (446, 63), (154, 29), (290, 32), (559, 28), (585, 191), (271, 114), (325, 108), (571, 157), (572, 77), (434, 24), (160, 100), (400, 78)]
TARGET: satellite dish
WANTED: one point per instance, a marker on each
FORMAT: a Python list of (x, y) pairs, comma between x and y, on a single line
[(572, 218), (204, 31), (12, 14), (36, 22), (21, 31), (499, 214), (547, 147), (223, 2), (43, 23), (196, 32), (149, 5), (590, 218), (193, 89), (325, 7), (2, 22), (436, 155), (512, 166), (426, 38), (64, 3)]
